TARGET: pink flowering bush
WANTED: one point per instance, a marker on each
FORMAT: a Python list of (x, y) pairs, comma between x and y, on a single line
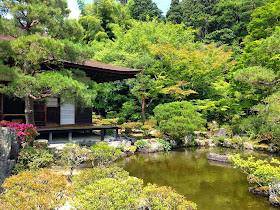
[(26, 132)]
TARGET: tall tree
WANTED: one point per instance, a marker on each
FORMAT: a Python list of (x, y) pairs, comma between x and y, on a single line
[(30, 52), (174, 14), (143, 9), (264, 21), (36, 16), (199, 14)]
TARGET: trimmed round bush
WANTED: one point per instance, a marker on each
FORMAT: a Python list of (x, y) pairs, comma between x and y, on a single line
[(41, 189)]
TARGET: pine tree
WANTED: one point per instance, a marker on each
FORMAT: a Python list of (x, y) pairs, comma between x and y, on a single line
[(174, 14)]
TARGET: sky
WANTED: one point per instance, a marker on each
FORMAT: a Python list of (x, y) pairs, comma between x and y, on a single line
[(163, 5)]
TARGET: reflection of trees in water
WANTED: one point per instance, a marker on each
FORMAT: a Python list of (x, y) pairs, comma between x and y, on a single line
[(209, 184)]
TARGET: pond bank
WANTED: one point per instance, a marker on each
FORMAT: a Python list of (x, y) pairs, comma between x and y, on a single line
[(208, 184)]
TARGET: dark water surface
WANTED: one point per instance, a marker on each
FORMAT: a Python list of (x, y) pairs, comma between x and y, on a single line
[(211, 185)]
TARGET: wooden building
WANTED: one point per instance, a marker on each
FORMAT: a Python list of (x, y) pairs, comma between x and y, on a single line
[(55, 115), (53, 112)]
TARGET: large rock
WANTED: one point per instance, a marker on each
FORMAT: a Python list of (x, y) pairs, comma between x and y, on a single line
[(272, 148), (154, 133), (115, 144), (188, 140), (218, 157), (157, 147), (9, 149), (274, 192), (200, 143), (145, 149), (211, 143), (174, 144), (227, 143), (247, 145), (222, 132)]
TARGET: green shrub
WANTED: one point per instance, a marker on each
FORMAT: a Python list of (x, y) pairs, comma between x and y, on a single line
[(178, 119), (133, 149), (71, 156), (109, 193), (102, 154), (91, 175), (220, 140), (258, 171), (237, 140), (41, 189), (106, 188), (31, 158), (113, 188), (141, 143), (166, 145), (165, 198), (131, 125), (149, 125)]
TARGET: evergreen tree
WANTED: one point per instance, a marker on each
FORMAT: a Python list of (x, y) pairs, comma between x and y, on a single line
[(33, 16), (174, 14), (30, 52), (141, 9)]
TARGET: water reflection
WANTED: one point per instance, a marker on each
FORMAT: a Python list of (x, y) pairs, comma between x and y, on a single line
[(211, 185)]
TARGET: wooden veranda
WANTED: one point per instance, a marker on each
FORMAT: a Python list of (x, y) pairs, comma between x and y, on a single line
[(50, 130)]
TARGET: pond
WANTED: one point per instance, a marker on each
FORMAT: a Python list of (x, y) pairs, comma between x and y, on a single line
[(211, 185)]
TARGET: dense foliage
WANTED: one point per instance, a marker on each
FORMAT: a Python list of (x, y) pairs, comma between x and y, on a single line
[(220, 55), (113, 188), (258, 171), (40, 189), (102, 154), (31, 159), (178, 119)]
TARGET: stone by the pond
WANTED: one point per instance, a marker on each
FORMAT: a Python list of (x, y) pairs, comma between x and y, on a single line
[(247, 145), (211, 143), (9, 149), (227, 143), (257, 190), (145, 149), (115, 144), (274, 192), (188, 140), (272, 148), (87, 142), (174, 144), (154, 133), (157, 147), (200, 143), (218, 157), (235, 146), (222, 132)]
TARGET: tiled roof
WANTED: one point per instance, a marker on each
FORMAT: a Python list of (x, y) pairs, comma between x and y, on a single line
[(88, 63), (100, 65)]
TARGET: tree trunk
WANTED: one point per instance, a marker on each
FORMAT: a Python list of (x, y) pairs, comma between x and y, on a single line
[(29, 110), (143, 107), (144, 100)]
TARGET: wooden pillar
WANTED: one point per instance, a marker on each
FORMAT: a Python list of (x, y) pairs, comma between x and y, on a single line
[(70, 135), (50, 136), (117, 134), (102, 134)]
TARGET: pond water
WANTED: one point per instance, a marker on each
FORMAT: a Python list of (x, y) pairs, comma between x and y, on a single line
[(211, 185)]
